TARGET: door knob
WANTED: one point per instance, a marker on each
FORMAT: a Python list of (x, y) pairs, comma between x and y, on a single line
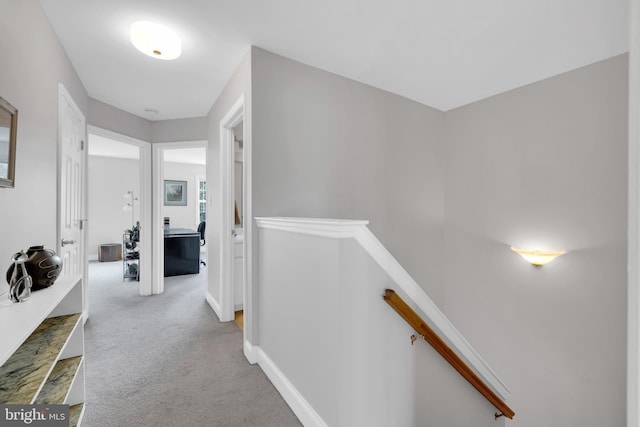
[(67, 242)]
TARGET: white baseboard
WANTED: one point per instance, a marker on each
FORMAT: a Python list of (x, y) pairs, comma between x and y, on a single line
[(250, 352), (298, 404), (214, 304)]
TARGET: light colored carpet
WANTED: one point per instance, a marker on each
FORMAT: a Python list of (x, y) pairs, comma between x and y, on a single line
[(166, 360)]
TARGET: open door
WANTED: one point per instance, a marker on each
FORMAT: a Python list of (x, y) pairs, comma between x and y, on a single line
[(72, 136)]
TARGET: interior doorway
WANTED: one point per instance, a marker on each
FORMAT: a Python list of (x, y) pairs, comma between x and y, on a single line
[(179, 178), (235, 132), (119, 178)]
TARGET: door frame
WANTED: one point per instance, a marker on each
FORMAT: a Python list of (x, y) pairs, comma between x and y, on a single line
[(158, 149), (144, 198), (225, 310), (633, 226)]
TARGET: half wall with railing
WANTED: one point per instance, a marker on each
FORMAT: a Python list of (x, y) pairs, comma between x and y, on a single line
[(340, 355)]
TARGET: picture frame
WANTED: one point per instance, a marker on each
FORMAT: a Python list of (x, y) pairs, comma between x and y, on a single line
[(8, 142), (175, 193)]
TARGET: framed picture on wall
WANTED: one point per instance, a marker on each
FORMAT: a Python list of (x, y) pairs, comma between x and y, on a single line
[(8, 129), (175, 193)]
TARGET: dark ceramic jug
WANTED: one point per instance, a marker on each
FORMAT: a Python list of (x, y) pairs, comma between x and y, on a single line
[(43, 265)]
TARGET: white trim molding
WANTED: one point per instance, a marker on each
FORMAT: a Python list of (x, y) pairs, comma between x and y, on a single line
[(213, 303), (157, 170), (633, 225), (250, 352), (233, 117), (357, 229), (330, 228), (298, 404)]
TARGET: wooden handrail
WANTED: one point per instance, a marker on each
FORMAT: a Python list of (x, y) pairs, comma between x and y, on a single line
[(445, 351)]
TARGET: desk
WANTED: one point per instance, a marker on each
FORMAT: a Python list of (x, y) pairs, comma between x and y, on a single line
[(181, 252)]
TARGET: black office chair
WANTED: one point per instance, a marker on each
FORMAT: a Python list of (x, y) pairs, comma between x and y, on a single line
[(201, 228)]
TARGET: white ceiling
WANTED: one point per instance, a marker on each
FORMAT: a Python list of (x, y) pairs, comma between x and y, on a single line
[(442, 53)]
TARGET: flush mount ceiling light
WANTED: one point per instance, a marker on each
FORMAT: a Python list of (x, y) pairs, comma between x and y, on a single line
[(538, 258), (155, 40)]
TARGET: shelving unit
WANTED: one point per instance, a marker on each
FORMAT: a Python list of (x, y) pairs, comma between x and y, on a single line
[(130, 257), (42, 348)]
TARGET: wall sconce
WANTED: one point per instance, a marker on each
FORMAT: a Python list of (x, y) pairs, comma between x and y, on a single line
[(538, 258)]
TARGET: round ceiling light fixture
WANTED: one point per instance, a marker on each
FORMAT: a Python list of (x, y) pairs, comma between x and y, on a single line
[(155, 40)]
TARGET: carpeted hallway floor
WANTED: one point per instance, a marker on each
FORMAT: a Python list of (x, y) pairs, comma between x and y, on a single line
[(166, 360)]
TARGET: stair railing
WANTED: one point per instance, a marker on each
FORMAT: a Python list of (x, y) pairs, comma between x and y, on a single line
[(430, 336)]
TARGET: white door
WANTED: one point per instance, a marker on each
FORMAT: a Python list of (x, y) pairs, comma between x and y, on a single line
[(71, 137)]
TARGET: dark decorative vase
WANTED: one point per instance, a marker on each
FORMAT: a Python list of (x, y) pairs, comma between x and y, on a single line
[(43, 265)]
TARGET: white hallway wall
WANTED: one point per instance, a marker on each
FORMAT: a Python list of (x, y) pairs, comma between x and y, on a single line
[(33, 63), (448, 192), (326, 146), (109, 179), (545, 164)]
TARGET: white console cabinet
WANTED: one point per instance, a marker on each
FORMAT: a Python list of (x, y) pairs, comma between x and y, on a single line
[(42, 348)]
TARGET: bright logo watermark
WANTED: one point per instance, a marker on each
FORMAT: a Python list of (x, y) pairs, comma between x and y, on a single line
[(34, 415)]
